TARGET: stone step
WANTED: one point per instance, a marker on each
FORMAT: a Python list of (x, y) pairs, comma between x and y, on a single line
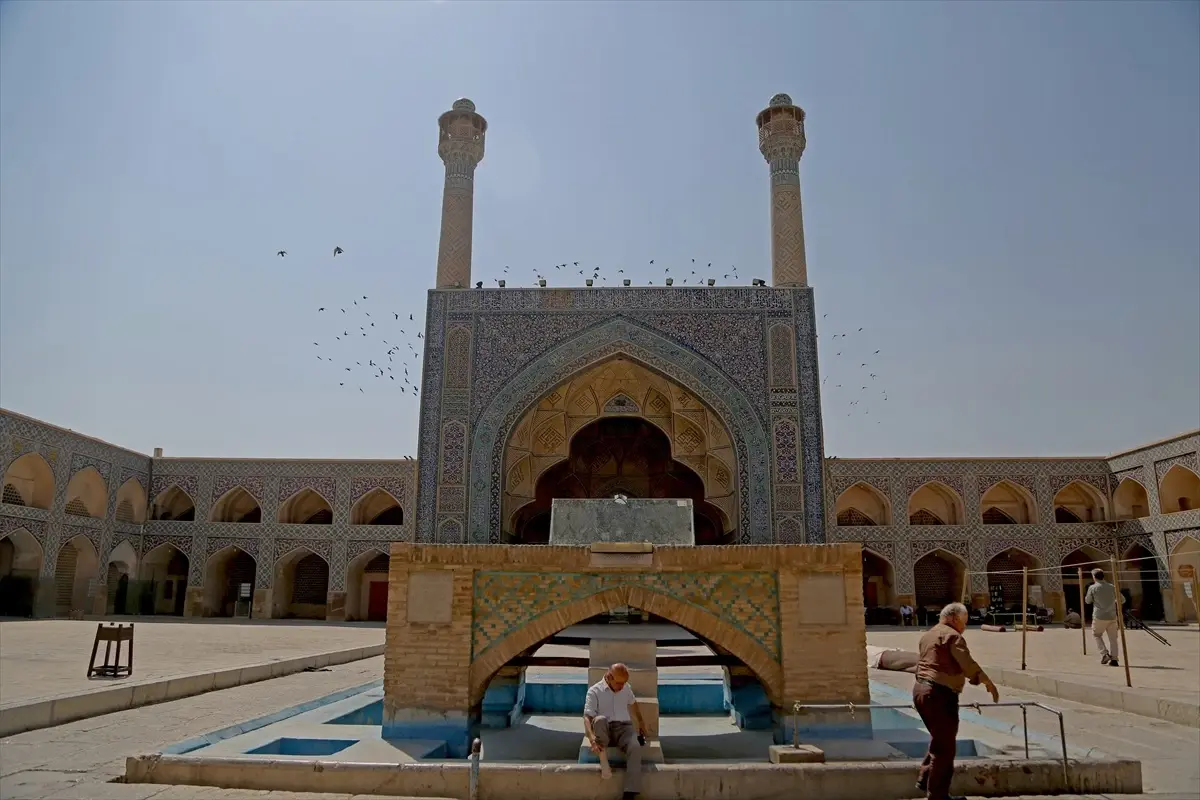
[(651, 754)]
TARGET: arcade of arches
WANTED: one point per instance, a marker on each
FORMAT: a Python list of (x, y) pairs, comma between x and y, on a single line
[(939, 577), (619, 427)]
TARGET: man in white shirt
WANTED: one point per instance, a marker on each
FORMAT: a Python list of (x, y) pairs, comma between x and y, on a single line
[(609, 713)]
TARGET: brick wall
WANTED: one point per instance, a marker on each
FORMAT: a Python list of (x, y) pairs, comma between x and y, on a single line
[(793, 614)]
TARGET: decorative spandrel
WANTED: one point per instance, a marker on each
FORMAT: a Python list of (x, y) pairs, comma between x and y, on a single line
[(506, 601)]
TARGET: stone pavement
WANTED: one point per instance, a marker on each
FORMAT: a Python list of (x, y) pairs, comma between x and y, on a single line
[(78, 760), (40, 659), (1168, 752), (1157, 671)]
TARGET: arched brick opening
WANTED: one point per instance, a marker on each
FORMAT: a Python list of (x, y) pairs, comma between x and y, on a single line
[(706, 626)]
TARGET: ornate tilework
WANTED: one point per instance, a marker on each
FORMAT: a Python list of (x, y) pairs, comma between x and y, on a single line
[(454, 436), (958, 547), (181, 543), (458, 358), (253, 484), (321, 547), (789, 530), (93, 535), (356, 547), (880, 483), (786, 468), (914, 482), (783, 372), (80, 461), (1161, 468), (505, 601), (450, 532), (289, 485), (1097, 482), (189, 484), (36, 528)]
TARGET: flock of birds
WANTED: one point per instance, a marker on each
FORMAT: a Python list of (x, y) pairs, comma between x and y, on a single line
[(366, 347), (395, 360), (685, 275), (852, 368)]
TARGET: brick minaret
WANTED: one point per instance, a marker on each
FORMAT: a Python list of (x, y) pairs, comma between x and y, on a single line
[(460, 144), (781, 141)]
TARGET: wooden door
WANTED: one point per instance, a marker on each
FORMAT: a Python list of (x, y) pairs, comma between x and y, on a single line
[(377, 601)]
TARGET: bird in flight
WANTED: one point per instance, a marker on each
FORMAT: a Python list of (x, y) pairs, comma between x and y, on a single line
[(282, 253), (337, 251), (320, 309)]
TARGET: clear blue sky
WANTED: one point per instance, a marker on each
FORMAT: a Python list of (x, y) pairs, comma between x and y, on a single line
[(1006, 197)]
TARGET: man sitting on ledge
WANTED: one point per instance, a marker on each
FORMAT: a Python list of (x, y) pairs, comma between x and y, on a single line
[(608, 716)]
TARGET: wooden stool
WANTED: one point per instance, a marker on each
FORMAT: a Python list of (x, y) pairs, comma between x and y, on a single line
[(110, 634)]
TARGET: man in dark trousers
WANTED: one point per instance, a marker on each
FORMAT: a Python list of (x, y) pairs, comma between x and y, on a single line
[(944, 667)]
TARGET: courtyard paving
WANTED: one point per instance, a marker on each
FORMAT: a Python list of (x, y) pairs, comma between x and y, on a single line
[(40, 659), (78, 761), (1157, 670)]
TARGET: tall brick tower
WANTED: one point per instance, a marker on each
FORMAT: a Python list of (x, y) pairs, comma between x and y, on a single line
[(781, 141), (461, 133)]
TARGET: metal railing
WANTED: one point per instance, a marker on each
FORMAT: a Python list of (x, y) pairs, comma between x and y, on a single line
[(979, 707), (476, 755)]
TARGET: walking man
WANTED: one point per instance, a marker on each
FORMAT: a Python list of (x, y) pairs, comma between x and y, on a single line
[(1103, 598), (945, 665), (609, 715)]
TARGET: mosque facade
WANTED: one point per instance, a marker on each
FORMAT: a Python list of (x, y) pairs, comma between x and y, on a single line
[(531, 394)]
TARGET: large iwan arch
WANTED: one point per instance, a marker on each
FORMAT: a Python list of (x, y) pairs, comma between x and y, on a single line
[(624, 338)]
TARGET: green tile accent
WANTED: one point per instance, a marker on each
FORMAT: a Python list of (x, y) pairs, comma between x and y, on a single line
[(505, 601)]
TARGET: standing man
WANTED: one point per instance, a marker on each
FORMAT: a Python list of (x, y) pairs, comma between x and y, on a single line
[(609, 713), (1103, 598), (944, 667)]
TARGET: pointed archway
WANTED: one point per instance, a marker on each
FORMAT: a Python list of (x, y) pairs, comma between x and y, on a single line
[(306, 507), (1007, 503), (862, 504), (75, 571), (1130, 500), (1079, 501), (29, 481), (300, 589), (225, 573), (935, 503), (20, 569), (879, 588), (1086, 558), (236, 505), (1140, 569), (1179, 490), (377, 507), (164, 574), (619, 455), (939, 577), (1005, 578), (569, 444), (173, 503), (705, 626), (702, 382), (367, 587), (87, 494), (122, 588), (131, 502)]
